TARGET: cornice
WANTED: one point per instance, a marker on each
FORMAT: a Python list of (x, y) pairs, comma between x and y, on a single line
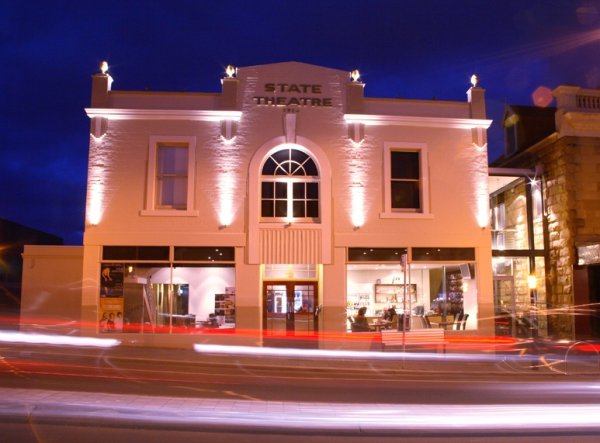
[(163, 114), (428, 122)]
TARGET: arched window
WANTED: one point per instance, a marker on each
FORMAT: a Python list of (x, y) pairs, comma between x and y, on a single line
[(290, 186)]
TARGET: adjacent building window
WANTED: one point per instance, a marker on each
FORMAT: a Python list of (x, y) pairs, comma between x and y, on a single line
[(290, 186), (171, 173), (406, 180)]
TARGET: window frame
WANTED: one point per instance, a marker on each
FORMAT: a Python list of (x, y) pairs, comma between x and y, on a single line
[(152, 207), (290, 180), (424, 210)]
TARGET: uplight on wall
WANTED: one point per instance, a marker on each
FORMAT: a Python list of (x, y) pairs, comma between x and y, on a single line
[(226, 190), (96, 195), (357, 192)]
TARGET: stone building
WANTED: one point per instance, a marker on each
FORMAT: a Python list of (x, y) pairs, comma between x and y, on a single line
[(558, 150)]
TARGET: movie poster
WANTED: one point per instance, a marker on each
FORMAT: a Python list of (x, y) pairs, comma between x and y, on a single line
[(111, 280), (111, 314)]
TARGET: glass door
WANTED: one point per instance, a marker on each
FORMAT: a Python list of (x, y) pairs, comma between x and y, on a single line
[(289, 308), (505, 308)]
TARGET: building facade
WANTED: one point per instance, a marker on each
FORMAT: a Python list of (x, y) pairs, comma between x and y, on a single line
[(13, 238), (561, 149), (282, 205)]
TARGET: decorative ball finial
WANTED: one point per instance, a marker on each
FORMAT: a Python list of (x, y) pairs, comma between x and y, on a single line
[(474, 80), (355, 75), (104, 67), (230, 71)]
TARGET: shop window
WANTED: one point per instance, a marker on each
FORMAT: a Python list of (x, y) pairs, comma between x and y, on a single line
[(405, 172), (443, 254), (171, 174), (375, 254), (290, 186), (136, 253), (165, 297), (212, 254), (499, 226), (536, 195)]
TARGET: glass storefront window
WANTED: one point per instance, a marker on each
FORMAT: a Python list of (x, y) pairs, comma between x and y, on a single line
[(439, 291), (509, 217), (137, 297), (519, 306)]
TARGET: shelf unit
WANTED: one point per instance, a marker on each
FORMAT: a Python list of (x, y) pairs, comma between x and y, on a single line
[(394, 293), (225, 308)]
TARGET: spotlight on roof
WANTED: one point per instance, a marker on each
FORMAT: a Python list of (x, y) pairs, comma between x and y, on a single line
[(355, 75), (474, 80), (104, 67), (230, 71)]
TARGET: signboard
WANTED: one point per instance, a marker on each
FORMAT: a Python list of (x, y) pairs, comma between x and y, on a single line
[(588, 254), (111, 314), (111, 280), (293, 94)]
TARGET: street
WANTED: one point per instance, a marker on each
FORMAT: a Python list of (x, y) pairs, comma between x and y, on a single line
[(131, 392)]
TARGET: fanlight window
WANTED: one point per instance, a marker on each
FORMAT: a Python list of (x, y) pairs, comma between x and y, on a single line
[(290, 186)]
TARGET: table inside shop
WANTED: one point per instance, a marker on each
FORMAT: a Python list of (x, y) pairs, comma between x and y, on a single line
[(437, 321), (377, 323)]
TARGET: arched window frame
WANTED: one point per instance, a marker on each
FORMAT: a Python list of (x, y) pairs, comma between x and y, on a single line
[(295, 179)]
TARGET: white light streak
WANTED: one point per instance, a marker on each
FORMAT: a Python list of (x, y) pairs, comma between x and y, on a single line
[(286, 416), (342, 354), (20, 337)]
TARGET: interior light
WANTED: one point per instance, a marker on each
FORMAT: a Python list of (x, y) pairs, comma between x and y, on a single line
[(532, 281)]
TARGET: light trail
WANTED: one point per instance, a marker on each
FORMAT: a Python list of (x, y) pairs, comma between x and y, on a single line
[(345, 354), (277, 415), (62, 340)]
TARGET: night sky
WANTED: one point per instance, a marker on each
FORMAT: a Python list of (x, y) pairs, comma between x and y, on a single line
[(419, 49)]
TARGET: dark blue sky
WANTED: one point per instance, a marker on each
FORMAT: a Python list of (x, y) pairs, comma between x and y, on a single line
[(404, 48)]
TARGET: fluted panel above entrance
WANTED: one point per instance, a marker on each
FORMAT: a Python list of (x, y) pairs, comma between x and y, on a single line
[(290, 245)]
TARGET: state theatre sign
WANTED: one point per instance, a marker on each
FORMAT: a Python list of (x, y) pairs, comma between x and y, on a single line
[(293, 94)]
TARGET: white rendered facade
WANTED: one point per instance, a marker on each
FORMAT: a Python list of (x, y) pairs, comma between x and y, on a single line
[(190, 170)]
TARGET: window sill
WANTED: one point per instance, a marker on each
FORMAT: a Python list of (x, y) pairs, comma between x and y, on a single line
[(409, 215), (168, 213)]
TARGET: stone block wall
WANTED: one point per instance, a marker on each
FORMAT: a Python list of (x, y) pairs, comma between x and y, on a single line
[(572, 191)]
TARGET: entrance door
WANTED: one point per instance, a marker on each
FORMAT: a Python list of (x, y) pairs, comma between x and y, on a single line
[(505, 309), (289, 308)]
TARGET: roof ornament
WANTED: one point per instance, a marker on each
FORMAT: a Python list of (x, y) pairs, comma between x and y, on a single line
[(230, 71), (474, 80), (355, 75)]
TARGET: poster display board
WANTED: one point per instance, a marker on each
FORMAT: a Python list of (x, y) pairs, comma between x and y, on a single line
[(110, 311)]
